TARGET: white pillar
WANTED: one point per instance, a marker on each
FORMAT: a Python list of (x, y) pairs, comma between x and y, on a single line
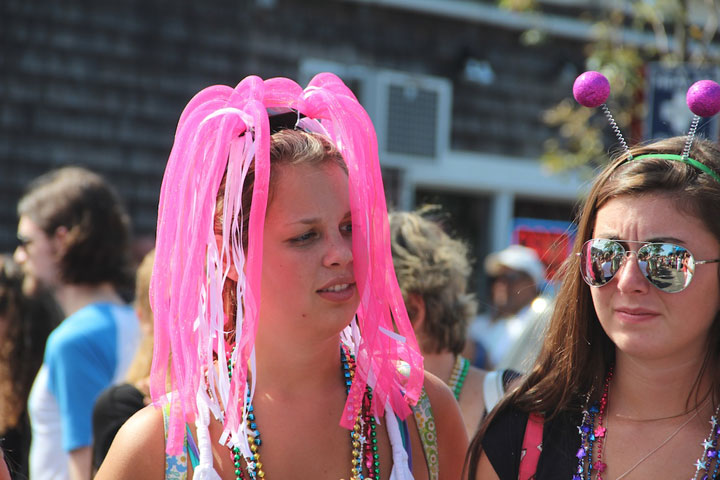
[(501, 218), (406, 194)]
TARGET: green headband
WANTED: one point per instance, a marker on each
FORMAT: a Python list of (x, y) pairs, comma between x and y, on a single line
[(679, 158)]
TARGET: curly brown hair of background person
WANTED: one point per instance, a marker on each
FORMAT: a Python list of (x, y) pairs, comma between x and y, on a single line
[(431, 264)]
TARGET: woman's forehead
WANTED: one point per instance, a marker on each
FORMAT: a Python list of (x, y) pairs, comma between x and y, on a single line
[(301, 186)]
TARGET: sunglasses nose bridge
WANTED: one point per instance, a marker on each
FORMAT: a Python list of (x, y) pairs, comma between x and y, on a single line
[(628, 253)]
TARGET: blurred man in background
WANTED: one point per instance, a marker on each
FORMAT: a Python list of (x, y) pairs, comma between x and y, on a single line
[(510, 334), (74, 241)]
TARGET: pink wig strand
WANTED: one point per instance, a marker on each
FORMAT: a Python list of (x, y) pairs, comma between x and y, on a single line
[(224, 130)]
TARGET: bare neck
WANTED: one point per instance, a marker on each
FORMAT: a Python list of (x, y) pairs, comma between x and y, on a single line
[(296, 368), (440, 364), (656, 389), (72, 298)]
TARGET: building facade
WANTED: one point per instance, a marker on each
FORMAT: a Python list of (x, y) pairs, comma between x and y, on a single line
[(456, 95)]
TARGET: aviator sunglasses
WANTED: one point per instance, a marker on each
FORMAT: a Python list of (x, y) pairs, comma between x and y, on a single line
[(666, 266)]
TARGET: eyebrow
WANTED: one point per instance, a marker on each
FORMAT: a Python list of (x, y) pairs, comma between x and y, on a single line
[(667, 240), (315, 220), (305, 221)]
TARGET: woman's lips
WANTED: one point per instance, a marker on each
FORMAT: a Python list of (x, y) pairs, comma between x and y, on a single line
[(339, 292), (635, 315)]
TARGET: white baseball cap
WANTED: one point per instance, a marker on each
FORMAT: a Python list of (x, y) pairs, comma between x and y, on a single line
[(517, 257)]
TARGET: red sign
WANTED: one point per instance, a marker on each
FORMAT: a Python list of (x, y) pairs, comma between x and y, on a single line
[(552, 243)]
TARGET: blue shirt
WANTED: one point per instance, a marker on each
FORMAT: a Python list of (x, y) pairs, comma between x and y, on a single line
[(89, 351)]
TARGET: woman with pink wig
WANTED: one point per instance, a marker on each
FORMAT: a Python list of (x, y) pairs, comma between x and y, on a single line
[(282, 344)]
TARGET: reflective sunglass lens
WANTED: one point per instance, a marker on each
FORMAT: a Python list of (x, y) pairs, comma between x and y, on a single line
[(600, 260), (669, 267)]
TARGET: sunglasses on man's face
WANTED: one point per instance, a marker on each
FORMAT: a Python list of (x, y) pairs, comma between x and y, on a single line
[(510, 276), (666, 266)]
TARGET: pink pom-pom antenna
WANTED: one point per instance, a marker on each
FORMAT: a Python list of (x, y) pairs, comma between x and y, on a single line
[(703, 98), (591, 89)]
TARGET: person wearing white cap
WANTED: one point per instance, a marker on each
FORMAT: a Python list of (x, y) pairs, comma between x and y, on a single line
[(510, 334)]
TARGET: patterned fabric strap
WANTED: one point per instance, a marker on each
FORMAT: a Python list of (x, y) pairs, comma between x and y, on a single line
[(428, 434), (175, 465)]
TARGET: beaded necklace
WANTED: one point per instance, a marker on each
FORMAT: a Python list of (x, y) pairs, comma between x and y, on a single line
[(457, 377), (593, 437), (589, 436), (709, 460), (363, 436)]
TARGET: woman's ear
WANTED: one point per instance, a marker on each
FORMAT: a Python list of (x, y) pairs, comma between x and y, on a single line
[(232, 274), (416, 311)]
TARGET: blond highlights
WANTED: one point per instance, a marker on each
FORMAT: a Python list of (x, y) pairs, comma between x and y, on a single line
[(431, 264)]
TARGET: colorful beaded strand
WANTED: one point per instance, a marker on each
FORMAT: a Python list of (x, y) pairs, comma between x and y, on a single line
[(372, 458), (582, 453), (600, 430), (235, 450), (254, 467), (457, 377), (591, 435), (356, 437), (591, 440), (709, 459), (455, 374), (364, 433)]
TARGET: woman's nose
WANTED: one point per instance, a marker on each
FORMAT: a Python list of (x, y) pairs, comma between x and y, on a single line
[(631, 277), (339, 252)]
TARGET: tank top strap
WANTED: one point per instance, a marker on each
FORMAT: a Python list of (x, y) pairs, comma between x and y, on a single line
[(175, 465), (428, 434)]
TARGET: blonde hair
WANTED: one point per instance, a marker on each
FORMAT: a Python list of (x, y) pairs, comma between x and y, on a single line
[(139, 369), (431, 264)]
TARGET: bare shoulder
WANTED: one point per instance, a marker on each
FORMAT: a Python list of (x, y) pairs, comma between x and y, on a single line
[(138, 450), (472, 400), (452, 437)]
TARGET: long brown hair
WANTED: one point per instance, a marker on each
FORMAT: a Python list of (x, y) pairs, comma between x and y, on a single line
[(28, 322), (576, 352)]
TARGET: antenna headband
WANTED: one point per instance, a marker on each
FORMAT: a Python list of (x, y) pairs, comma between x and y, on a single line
[(680, 158)]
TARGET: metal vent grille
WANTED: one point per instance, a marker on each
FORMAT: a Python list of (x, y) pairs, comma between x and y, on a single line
[(412, 120)]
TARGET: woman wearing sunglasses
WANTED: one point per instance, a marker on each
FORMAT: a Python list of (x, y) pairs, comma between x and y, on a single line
[(627, 385)]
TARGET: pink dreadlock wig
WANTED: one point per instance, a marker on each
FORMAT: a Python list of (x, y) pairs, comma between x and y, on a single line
[(221, 132)]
